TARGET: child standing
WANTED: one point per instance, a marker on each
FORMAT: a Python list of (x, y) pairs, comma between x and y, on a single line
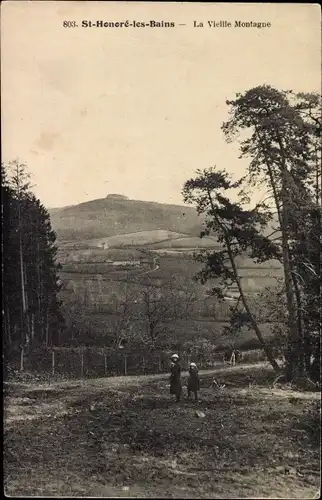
[(175, 377), (193, 381)]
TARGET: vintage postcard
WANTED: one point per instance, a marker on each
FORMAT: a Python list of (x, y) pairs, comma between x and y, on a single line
[(161, 222)]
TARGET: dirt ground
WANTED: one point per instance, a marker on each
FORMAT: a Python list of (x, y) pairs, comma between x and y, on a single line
[(125, 437)]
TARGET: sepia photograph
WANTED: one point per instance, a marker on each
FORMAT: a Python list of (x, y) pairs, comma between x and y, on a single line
[(161, 197)]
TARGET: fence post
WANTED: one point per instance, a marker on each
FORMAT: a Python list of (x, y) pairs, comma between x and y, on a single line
[(233, 359), (105, 364), (160, 366), (82, 363), (22, 359), (143, 364), (125, 364), (53, 363)]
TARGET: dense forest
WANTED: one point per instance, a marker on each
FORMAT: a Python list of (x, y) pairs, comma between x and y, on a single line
[(30, 286)]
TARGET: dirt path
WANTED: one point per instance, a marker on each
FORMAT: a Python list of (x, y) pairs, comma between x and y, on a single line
[(103, 382), (30, 401), (124, 436), (56, 398)]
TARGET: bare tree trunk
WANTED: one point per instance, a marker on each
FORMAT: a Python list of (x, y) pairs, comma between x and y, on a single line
[(105, 364), (40, 297), (293, 337), (47, 328), (264, 346), (282, 207), (22, 278), (32, 327), (22, 271), (82, 364), (300, 322), (25, 337), (318, 179), (152, 335), (7, 322)]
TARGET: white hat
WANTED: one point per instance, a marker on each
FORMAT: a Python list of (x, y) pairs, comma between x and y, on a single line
[(174, 356), (193, 364)]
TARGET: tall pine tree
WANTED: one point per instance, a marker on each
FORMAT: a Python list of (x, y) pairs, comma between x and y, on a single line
[(31, 307)]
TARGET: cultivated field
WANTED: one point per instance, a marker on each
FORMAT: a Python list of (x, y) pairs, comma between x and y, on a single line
[(139, 238), (121, 437)]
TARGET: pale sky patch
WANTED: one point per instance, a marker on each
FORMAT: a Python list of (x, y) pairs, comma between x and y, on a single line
[(136, 111)]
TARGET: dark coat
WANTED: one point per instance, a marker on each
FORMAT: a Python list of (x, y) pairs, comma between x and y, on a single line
[(193, 380), (175, 379)]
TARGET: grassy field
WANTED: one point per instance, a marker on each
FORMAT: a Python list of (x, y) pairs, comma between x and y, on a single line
[(140, 238), (125, 437), (192, 242)]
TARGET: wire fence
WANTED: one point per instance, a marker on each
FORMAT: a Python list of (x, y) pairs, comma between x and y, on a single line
[(92, 363)]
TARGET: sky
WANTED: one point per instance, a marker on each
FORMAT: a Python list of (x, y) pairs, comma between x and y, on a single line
[(136, 111)]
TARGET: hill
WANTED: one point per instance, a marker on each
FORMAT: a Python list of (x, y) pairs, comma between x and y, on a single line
[(116, 215), (176, 226)]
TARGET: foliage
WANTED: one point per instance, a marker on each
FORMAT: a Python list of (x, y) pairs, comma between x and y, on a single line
[(31, 306), (238, 229), (279, 132)]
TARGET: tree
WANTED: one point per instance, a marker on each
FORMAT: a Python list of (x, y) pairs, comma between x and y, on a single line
[(30, 285), (237, 229), (125, 314), (159, 306), (309, 107), (281, 142), (17, 186), (307, 262), (305, 246)]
